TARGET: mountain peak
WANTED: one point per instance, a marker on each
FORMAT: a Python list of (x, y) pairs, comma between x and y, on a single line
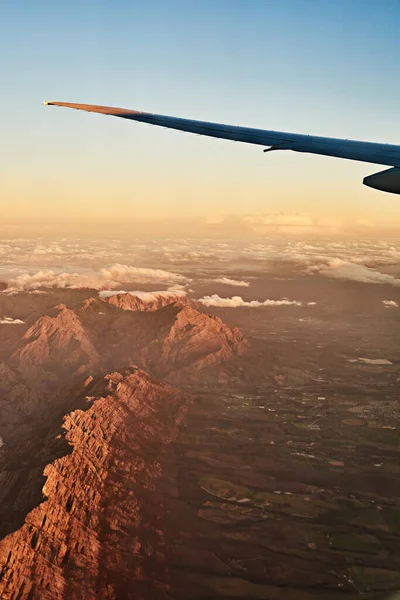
[(57, 342)]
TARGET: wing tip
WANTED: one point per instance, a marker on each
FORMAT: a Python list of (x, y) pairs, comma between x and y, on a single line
[(95, 108)]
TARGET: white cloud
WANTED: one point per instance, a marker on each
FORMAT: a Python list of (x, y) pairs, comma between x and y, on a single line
[(234, 282), (237, 301), (178, 287), (10, 321), (375, 361), (390, 303), (105, 278)]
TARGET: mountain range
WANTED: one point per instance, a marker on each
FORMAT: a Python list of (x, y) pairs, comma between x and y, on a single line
[(91, 395)]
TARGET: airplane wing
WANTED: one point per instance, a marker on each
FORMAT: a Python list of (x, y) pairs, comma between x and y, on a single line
[(382, 154)]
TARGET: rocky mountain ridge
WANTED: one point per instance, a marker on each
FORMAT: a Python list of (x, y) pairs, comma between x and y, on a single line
[(98, 531)]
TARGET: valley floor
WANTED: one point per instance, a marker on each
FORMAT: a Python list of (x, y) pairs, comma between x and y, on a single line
[(286, 494)]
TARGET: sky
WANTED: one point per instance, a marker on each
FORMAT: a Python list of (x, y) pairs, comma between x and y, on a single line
[(310, 66)]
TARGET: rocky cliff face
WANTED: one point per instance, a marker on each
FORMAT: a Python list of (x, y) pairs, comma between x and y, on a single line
[(98, 532)]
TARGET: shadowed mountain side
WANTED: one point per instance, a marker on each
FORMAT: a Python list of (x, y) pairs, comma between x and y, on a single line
[(31, 429), (23, 403), (119, 334)]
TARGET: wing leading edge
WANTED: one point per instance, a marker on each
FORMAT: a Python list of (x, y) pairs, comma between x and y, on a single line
[(382, 154)]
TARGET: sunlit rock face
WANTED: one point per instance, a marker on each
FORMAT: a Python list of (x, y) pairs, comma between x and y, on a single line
[(98, 531)]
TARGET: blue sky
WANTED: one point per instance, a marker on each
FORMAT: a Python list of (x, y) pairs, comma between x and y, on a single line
[(326, 67)]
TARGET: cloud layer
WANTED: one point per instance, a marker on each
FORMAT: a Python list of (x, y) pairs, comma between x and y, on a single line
[(31, 264), (106, 278)]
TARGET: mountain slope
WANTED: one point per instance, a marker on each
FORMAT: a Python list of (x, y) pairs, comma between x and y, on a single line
[(58, 344)]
